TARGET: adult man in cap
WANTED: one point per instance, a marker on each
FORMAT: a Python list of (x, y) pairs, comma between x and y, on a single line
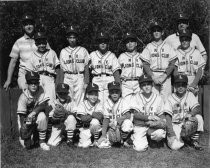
[(131, 65), (104, 66), (183, 24), (74, 61)]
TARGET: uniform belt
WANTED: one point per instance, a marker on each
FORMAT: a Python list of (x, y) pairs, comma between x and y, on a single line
[(130, 79), (102, 74), (68, 72), (47, 74)]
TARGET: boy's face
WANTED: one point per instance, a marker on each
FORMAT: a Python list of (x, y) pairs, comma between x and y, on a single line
[(131, 45), (28, 27), (33, 86), (62, 96), (157, 33), (72, 39), (185, 42), (41, 45), (146, 87), (181, 87), (103, 45), (92, 97), (114, 95)]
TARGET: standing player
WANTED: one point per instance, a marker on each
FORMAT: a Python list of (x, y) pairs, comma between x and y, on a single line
[(131, 65), (148, 107), (182, 104), (45, 62), (174, 41), (31, 106), (190, 61), (159, 60), (74, 63), (104, 66), (22, 49)]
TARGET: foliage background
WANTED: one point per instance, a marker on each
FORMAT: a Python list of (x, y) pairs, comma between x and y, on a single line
[(113, 16)]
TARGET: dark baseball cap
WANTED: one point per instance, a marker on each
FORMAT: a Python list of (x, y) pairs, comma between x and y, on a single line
[(71, 30), (32, 76), (62, 88), (92, 87), (130, 35), (114, 86), (40, 35), (182, 16), (154, 25), (145, 78), (181, 78), (27, 18), (185, 33)]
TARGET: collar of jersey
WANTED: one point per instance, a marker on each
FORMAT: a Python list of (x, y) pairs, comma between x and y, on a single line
[(188, 52), (145, 100), (132, 56), (28, 94), (41, 55), (100, 55), (179, 99), (27, 37), (88, 105), (156, 45)]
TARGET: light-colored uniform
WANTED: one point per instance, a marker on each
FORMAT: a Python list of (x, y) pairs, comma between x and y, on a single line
[(42, 64), (173, 40), (22, 49), (103, 68), (152, 106), (26, 104), (132, 69), (70, 122), (189, 62), (159, 57), (73, 62), (178, 108)]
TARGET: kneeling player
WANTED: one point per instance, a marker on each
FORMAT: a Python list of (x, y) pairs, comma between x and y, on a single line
[(149, 118), (90, 113), (31, 116), (116, 127), (183, 106), (61, 116)]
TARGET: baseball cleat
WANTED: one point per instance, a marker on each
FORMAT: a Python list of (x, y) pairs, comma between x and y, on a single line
[(44, 146)]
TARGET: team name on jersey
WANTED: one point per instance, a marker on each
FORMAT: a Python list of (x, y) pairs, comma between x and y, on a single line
[(162, 55), (102, 66), (130, 65), (70, 61), (188, 62), (42, 65)]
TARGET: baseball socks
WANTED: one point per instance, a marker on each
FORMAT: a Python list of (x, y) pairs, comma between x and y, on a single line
[(42, 137), (70, 134), (195, 141)]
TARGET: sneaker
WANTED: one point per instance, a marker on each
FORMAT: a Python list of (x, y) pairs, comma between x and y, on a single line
[(174, 143), (104, 144), (44, 146), (95, 143), (197, 146)]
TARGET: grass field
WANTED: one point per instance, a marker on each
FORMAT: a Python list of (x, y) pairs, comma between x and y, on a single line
[(14, 156)]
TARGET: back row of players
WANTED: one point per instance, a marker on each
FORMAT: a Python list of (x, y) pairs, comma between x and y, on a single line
[(158, 60)]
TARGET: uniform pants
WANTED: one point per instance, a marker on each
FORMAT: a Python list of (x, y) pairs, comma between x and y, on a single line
[(130, 87)]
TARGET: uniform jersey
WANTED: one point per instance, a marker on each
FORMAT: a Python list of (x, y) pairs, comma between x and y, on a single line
[(73, 60), (179, 107), (131, 66), (104, 64), (46, 62), (86, 108), (27, 102), (173, 40), (158, 56)]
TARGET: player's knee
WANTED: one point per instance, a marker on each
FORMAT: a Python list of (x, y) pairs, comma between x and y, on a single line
[(41, 117), (94, 122), (200, 122), (95, 126), (140, 148), (41, 121), (70, 123), (127, 125), (158, 135)]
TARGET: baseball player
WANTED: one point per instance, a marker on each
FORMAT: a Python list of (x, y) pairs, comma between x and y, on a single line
[(45, 62), (131, 66), (90, 113), (190, 61), (31, 106), (114, 107), (174, 41), (74, 63), (182, 104), (22, 49), (104, 66), (65, 117), (159, 59), (148, 107)]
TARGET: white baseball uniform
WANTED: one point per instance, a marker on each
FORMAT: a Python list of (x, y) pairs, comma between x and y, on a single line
[(26, 104), (173, 40), (132, 69), (189, 62), (179, 107), (159, 56), (45, 65), (103, 68), (73, 62), (154, 105)]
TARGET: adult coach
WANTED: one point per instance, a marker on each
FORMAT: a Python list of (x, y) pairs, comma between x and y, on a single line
[(22, 49), (183, 24)]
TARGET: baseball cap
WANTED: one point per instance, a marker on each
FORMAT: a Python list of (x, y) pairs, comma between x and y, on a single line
[(156, 25), (102, 36), (71, 30), (62, 88), (32, 76), (181, 78), (130, 35), (40, 35), (92, 87), (114, 86), (145, 78), (27, 18), (185, 33), (182, 16)]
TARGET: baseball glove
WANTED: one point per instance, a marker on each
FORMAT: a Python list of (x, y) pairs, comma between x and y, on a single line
[(27, 128), (60, 114), (114, 135), (189, 127), (160, 124)]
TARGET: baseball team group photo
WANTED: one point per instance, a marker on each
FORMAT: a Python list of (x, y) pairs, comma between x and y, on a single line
[(105, 83)]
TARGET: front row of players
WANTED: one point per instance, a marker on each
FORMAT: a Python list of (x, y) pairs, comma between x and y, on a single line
[(121, 121)]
